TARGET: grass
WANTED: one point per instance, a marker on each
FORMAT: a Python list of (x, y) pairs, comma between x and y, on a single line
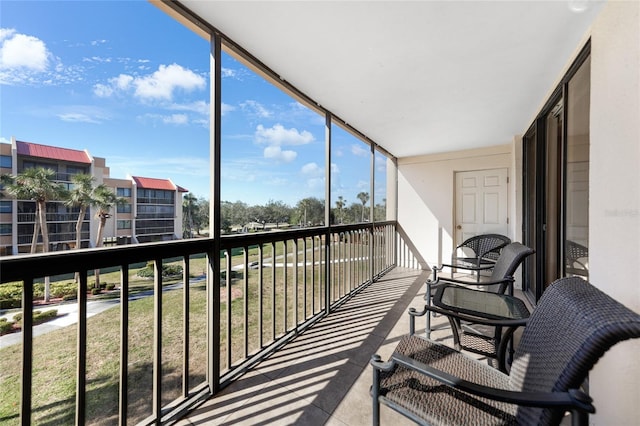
[(54, 356)]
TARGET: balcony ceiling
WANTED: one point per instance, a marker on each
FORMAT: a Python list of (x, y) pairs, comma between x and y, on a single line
[(417, 77)]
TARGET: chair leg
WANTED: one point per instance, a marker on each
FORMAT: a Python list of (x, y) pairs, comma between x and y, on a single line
[(579, 418), (428, 320), (375, 390)]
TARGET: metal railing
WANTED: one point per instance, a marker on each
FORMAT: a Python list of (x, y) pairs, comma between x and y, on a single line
[(223, 313)]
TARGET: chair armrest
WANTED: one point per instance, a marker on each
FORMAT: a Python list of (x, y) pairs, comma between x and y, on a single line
[(507, 281), (471, 268), (572, 399)]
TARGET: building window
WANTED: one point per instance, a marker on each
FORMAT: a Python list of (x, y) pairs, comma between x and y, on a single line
[(5, 161), (5, 229), (123, 192), (6, 206), (124, 208), (124, 224)]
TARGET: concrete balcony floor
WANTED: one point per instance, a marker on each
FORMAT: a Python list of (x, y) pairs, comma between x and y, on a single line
[(323, 376)]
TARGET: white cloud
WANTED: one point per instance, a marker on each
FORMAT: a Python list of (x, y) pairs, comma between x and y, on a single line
[(116, 84), (168, 78), (312, 169), (276, 153), (278, 135), (22, 51), (176, 119), (359, 150), (335, 168), (255, 108), (200, 107), (226, 108), (173, 119), (160, 85), (228, 72), (75, 117)]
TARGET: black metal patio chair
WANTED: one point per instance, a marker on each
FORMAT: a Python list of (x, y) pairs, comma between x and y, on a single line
[(573, 325)]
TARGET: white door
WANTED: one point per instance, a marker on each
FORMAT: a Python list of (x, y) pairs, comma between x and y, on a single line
[(481, 203)]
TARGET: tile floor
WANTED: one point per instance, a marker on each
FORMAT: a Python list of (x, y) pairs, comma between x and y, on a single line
[(323, 376)]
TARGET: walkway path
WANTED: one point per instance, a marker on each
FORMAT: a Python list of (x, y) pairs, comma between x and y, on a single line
[(68, 314)]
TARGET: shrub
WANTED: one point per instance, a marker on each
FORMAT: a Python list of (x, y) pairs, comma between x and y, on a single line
[(167, 271), (11, 303), (38, 316), (110, 286), (5, 326), (63, 289), (95, 291)]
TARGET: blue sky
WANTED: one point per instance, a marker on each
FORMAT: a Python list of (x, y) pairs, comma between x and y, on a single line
[(128, 83)]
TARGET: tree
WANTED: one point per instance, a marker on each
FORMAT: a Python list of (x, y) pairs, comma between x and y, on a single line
[(81, 196), (309, 211), (189, 206), (37, 184), (364, 198), (104, 200), (340, 203)]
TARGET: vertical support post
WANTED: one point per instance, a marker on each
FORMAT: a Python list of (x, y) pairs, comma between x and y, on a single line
[(81, 371), (185, 326), (372, 229), (327, 211), (157, 342), (260, 298), (285, 285), (213, 277), (124, 344), (245, 300), (295, 283), (27, 352)]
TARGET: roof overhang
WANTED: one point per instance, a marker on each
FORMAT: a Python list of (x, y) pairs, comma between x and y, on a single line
[(416, 77)]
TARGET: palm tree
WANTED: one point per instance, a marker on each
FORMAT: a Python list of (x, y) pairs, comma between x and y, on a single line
[(37, 184), (103, 198), (81, 196), (363, 197)]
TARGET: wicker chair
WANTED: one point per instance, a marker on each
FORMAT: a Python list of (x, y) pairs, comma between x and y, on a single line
[(576, 259), (478, 251), (573, 325)]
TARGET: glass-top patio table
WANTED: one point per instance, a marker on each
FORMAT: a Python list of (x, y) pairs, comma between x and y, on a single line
[(480, 303), (481, 306)]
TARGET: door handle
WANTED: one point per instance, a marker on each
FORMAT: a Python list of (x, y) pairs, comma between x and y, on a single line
[(459, 227)]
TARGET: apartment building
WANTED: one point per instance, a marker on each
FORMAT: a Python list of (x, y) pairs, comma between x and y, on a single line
[(152, 211)]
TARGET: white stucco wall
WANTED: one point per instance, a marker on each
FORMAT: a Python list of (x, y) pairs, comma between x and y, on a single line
[(614, 199), (426, 196)]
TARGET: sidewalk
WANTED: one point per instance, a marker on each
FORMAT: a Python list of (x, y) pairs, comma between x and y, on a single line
[(67, 315)]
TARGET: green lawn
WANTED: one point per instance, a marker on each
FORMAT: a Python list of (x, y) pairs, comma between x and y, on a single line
[(54, 357)]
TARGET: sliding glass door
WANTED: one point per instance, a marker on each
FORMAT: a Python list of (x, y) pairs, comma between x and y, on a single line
[(556, 184)]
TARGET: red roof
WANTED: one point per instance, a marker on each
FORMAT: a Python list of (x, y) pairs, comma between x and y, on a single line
[(52, 152), (152, 183)]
